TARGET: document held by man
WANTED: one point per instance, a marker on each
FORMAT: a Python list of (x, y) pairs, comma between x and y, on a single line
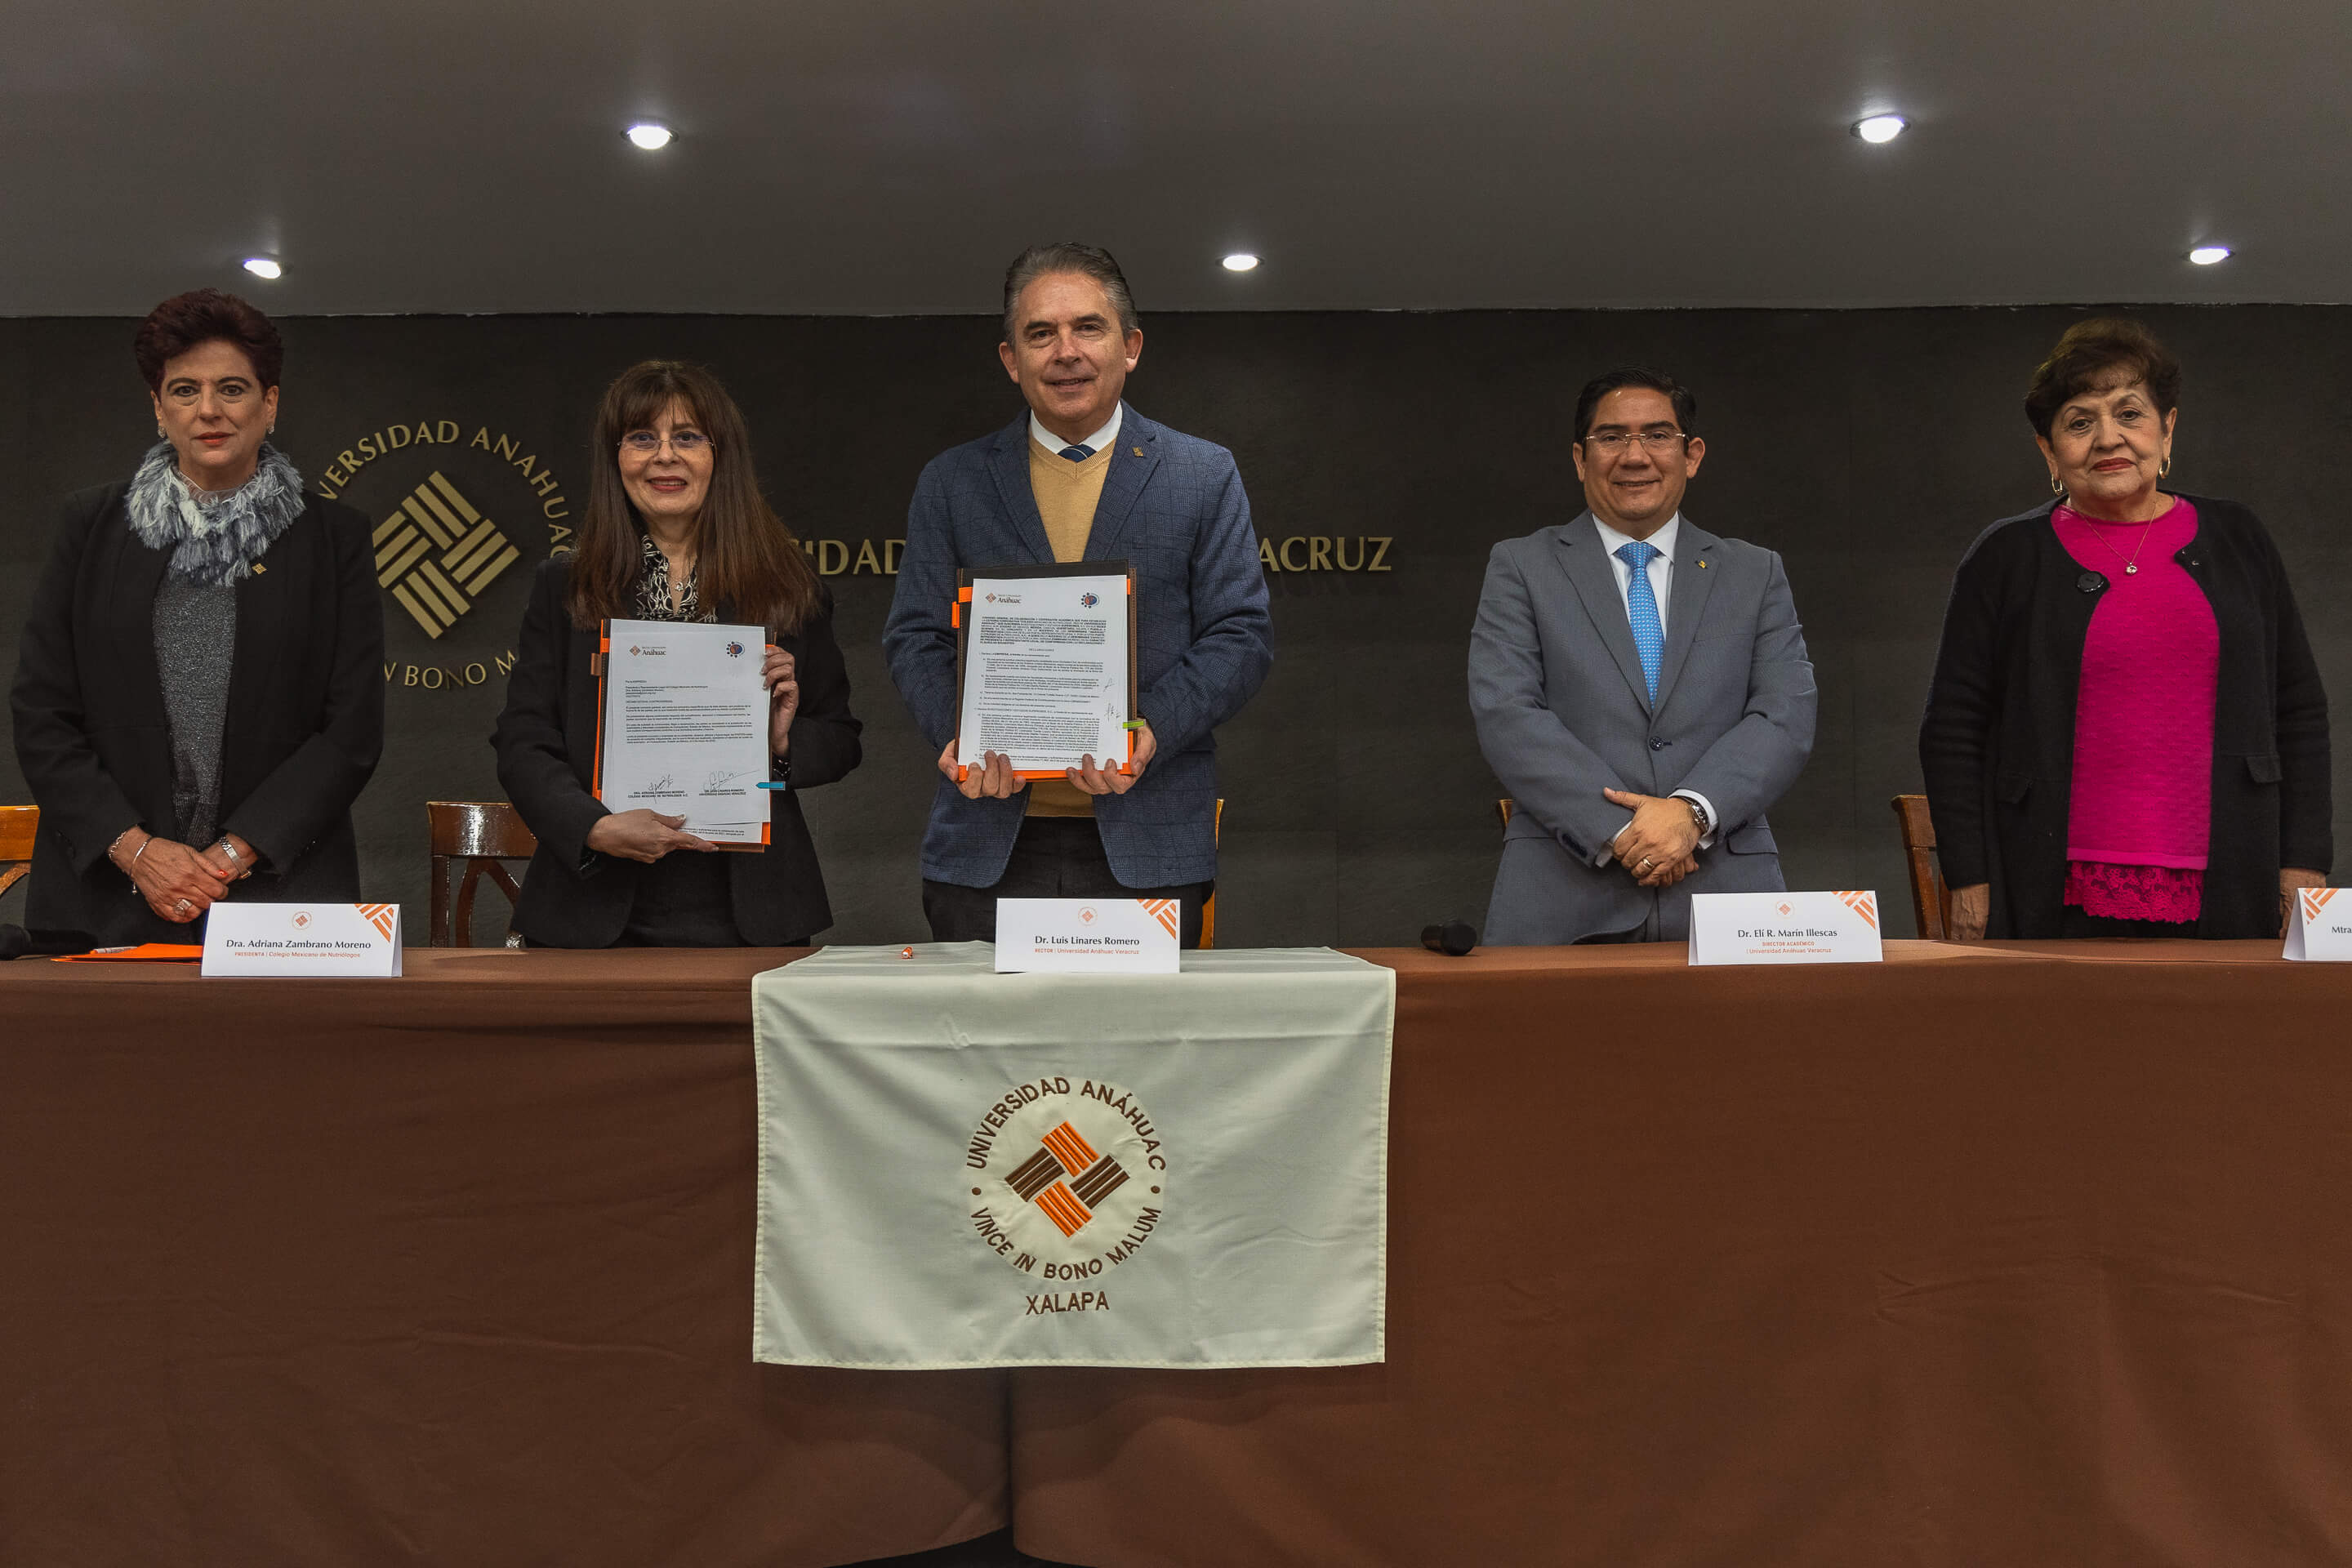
[(1044, 669), (685, 726)]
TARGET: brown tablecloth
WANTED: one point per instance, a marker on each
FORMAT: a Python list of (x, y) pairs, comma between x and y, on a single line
[(1981, 1257), (454, 1269), (1984, 1256)]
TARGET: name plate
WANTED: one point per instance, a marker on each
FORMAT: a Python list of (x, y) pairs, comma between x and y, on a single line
[(2321, 931), (340, 940), (1087, 936), (1785, 928)]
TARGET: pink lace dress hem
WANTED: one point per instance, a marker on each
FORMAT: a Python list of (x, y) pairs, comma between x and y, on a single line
[(2135, 892)]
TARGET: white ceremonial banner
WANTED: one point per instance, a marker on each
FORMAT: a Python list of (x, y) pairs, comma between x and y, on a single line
[(342, 939), (2321, 931), (965, 1169), (1785, 928), (1087, 936)]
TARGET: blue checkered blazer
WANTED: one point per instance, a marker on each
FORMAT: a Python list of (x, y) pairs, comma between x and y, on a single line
[(1171, 504)]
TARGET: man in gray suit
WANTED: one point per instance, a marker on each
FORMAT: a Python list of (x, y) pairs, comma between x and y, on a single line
[(1640, 688)]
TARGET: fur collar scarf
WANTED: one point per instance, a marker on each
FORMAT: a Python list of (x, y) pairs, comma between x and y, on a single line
[(213, 537)]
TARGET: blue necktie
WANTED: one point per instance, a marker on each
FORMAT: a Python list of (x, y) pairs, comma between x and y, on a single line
[(1077, 452), (1642, 609)]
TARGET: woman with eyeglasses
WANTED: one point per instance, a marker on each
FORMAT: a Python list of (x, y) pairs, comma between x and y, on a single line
[(676, 530), (2126, 735), (199, 693)]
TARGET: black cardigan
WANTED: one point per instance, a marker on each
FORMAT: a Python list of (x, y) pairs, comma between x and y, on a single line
[(546, 742), (1997, 745), (304, 725)]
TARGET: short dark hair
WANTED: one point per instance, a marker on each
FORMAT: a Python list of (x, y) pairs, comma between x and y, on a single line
[(2089, 353), (1068, 255), (1588, 401), (203, 316)]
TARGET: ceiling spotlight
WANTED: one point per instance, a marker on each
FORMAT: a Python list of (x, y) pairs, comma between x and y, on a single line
[(650, 135), (266, 267), (1240, 261), (2207, 255), (1881, 128)]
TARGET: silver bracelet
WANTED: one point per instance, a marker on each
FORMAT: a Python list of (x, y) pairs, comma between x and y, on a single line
[(229, 849)]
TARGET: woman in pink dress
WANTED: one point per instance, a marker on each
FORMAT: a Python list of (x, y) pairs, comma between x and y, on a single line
[(2126, 735)]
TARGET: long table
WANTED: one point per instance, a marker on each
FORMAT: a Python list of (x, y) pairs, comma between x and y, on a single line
[(2029, 1253)]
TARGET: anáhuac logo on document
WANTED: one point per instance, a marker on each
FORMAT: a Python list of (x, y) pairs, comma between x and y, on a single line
[(1067, 1180), (461, 512)]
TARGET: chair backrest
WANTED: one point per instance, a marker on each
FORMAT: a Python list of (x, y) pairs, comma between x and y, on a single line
[(1931, 900), (17, 824), (480, 834), (1502, 810), (1209, 907)]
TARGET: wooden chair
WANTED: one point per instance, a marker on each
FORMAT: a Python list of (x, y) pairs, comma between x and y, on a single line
[(483, 834), (1209, 909), (1931, 900), (17, 826), (1502, 810)]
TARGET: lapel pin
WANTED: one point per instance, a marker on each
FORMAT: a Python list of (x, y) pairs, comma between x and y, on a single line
[(259, 568), (1137, 451)]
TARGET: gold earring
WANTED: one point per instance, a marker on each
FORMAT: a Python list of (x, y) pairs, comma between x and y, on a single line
[(2164, 468), (2055, 488)]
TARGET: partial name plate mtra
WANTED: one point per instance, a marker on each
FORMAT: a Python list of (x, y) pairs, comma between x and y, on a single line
[(1087, 936), (337, 939), (1785, 928), (2321, 931)]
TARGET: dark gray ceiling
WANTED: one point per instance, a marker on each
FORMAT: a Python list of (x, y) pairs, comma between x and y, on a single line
[(887, 156)]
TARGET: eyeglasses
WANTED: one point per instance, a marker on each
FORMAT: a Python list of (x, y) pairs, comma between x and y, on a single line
[(684, 443), (1612, 443)]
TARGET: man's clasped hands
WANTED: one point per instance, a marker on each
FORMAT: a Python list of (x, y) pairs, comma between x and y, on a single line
[(1659, 847)]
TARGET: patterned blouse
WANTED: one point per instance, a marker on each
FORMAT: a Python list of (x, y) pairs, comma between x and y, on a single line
[(653, 590)]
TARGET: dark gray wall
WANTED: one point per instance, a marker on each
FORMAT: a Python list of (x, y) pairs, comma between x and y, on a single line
[(1867, 446)]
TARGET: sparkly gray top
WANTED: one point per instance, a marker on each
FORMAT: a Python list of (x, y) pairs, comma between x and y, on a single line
[(195, 642)]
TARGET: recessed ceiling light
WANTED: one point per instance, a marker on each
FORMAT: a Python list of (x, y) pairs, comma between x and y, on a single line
[(1880, 128), (2207, 255), (266, 266), (1240, 261), (650, 135)]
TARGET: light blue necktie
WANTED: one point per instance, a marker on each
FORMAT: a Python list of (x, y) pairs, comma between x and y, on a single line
[(1642, 609), (1077, 451)]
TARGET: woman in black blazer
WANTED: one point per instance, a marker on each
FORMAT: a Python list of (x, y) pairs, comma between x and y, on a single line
[(2127, 734), (199, 692), (676, 528)]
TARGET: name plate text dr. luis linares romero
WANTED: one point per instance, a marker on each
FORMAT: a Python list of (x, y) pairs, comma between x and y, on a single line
[(1785, 928), (1087, 936), (339, 940)]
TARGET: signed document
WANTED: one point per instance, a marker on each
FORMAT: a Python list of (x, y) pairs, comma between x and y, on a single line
[(1045, 668), (685, 728)]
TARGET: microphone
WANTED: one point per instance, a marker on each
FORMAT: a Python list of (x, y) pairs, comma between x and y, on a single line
[(1453, 939)]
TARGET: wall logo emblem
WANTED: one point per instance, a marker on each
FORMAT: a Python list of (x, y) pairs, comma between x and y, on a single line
[(436, 554), (301, 919), (462, 512), (1067, 1177)]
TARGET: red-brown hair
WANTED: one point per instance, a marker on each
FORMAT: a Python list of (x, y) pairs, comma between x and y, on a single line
[(748, 565), (203, 316)]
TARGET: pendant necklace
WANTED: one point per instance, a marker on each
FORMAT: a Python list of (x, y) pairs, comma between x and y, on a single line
[(2131, 566)]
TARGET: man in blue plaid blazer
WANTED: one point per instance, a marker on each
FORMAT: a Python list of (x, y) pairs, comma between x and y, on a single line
[(1078, 477)]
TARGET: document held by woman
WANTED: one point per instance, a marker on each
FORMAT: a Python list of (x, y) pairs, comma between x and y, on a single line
[(685, 728)]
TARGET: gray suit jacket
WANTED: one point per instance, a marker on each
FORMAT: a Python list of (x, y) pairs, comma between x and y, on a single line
[(1563, 712)]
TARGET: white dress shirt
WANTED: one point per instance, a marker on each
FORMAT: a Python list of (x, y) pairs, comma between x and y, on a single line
[(1662, 588), (1098, 440)]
